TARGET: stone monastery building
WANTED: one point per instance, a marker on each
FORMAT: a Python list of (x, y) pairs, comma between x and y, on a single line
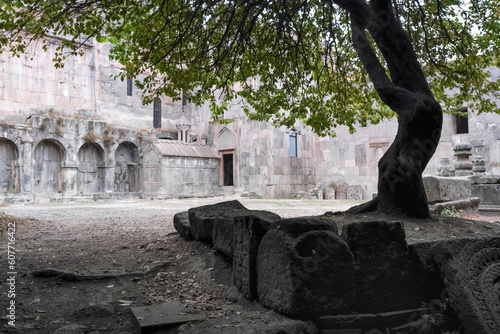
[(76, 132)]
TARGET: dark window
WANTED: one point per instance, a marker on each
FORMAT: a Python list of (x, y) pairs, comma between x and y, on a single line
[(462, 121), (129, 87), (228, 169), (157, 113), (293, 143)]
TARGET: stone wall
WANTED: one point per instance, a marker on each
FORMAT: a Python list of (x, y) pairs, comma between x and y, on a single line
[(55, 107), (53, 158)]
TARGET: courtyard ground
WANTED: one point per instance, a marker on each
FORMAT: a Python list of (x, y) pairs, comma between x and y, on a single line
[(121, 254)]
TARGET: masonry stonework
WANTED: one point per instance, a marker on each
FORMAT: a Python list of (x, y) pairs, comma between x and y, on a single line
[(75, 132)]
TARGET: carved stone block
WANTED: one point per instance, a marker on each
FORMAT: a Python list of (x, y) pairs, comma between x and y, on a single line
[(305, 269)]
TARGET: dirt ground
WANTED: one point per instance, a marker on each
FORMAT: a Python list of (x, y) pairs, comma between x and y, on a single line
[(110, 256)]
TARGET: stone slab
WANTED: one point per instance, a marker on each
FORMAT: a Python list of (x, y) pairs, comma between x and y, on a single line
[(444, 189), (248, 234), (223, 227), (201, 219), (368, 321), (386, 277), (163, 316), (489, 194), (466, 204)]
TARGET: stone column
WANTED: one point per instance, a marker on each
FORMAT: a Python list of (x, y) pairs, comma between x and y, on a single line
[(26, 167), (108, 173), (69, 172)]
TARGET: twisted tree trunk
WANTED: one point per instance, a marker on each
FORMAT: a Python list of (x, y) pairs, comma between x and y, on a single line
[(400, 187)]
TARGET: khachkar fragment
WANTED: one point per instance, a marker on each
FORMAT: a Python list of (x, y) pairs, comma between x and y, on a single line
[(463, 166), (471, 272), (304, 269), (248, 233)]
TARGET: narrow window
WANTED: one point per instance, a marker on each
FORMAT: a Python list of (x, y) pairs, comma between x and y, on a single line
[(293, 143), (462, 121), (157, 113), (129, 87)]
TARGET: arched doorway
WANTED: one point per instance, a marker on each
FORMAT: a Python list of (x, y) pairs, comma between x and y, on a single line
[(90, 178), (127, 168), (9, 170), (47, 172), (226, 143)]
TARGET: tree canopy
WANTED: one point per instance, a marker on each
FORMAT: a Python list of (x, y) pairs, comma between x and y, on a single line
[(283, 59)]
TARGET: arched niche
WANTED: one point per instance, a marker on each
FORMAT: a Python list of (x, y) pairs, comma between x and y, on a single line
[(90, 178), (127, 168), (48, 156), (9, 167), (225, 139)]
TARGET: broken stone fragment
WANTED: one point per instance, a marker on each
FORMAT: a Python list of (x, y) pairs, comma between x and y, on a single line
[(201, 219), (181, 225), (304, 269)]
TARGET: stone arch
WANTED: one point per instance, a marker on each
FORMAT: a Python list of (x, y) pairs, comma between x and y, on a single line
[(226, 139), (9, 167), (127, 168), (49, 154), (90, 178)]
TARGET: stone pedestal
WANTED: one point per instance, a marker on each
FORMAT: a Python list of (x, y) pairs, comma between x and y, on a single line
[(479, 165), (445, 168), (463, 166)]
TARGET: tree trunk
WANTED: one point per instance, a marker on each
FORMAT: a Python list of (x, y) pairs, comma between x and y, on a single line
[(400, 187)]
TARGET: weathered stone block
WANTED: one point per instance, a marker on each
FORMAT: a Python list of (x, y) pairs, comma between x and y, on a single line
[(469, 204), (489, 179), (444, 189), (386, 276), (181, 225), (305, 269), (223, 231), (489, 194), (248, 233), (471, 272), (201, 219)]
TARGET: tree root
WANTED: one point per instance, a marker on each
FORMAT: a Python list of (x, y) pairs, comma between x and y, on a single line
[(55, 274), (365, 207)]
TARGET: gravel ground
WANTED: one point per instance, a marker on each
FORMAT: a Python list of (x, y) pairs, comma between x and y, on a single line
[(126, 253)]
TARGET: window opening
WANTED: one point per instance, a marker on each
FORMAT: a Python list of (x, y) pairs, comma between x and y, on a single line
[(462, 121), (129, 87), (157, 113), (293, 143)]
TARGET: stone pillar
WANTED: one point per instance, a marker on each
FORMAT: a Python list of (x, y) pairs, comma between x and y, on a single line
[(109, 179), (463, 166), (69, 172), (26, 167)]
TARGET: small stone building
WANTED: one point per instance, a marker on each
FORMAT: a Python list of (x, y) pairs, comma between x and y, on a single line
[(167, 162)]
